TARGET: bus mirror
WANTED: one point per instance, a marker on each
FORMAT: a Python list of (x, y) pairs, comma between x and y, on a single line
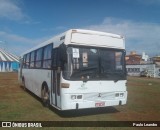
[(59, 57), (62, 54), (55, 58)]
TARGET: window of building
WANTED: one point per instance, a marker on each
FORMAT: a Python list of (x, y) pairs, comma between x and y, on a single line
[(137, 69)]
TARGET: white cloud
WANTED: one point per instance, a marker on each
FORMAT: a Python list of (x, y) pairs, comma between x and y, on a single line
[(15, 38), (10, 9), (139, 36), (18, 44)]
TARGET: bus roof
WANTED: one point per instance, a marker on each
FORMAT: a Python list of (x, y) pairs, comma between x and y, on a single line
[(94, 38), (86, 38), (96, 32)]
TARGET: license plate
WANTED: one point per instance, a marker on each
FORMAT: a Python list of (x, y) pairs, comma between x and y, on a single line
[(100, 104)]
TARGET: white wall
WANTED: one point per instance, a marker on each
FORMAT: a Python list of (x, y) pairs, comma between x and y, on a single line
[(134, 70)]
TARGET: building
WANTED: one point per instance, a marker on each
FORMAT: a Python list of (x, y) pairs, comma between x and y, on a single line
[(151, 69), (136, 64), (8, 62), (133, 58), (156, 60)]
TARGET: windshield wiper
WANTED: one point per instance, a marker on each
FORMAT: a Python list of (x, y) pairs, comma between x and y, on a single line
[(88, 68), (113, 75), (85, 73)]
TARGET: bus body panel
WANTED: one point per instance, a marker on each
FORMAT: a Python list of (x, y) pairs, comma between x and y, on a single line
[(92, 92), (34, 78)]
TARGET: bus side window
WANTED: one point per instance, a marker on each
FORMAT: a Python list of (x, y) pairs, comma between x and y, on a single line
[(28, 60), (38, 61), (47, 56), (32, 59), (24, 61)]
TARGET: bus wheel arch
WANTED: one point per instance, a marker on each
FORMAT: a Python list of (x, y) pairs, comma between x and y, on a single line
[(45, 94)]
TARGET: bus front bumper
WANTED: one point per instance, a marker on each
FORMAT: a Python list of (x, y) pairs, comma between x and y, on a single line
[(93, 104)]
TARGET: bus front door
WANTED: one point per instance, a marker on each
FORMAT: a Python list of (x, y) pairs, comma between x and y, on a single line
[(56, 74), (56, 100)]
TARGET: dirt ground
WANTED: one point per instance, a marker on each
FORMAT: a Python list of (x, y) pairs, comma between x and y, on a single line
[(143, 104)]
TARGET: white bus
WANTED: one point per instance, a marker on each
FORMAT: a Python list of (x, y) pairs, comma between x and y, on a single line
[(77, 69)]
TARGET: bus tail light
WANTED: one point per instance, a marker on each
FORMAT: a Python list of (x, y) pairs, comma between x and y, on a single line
[(64, 85)]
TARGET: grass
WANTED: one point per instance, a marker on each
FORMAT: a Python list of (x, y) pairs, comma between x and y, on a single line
[(144, 95), (18, 105)]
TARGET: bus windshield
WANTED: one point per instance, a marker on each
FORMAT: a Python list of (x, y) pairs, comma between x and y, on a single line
[(91, 63)]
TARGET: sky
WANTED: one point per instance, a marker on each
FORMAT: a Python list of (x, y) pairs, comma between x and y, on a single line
[(27, 23)]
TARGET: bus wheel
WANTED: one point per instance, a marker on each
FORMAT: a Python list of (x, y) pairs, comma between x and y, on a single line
[(45, 96)]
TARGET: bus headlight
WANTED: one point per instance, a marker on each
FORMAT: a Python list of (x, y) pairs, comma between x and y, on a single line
[(73, 97), (79, 96), (117, 95), (121, 94)]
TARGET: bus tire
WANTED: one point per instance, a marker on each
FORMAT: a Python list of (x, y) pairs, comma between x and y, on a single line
[(45, 95)]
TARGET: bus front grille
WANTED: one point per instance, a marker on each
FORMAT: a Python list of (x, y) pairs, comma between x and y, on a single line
[(99, 96)]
